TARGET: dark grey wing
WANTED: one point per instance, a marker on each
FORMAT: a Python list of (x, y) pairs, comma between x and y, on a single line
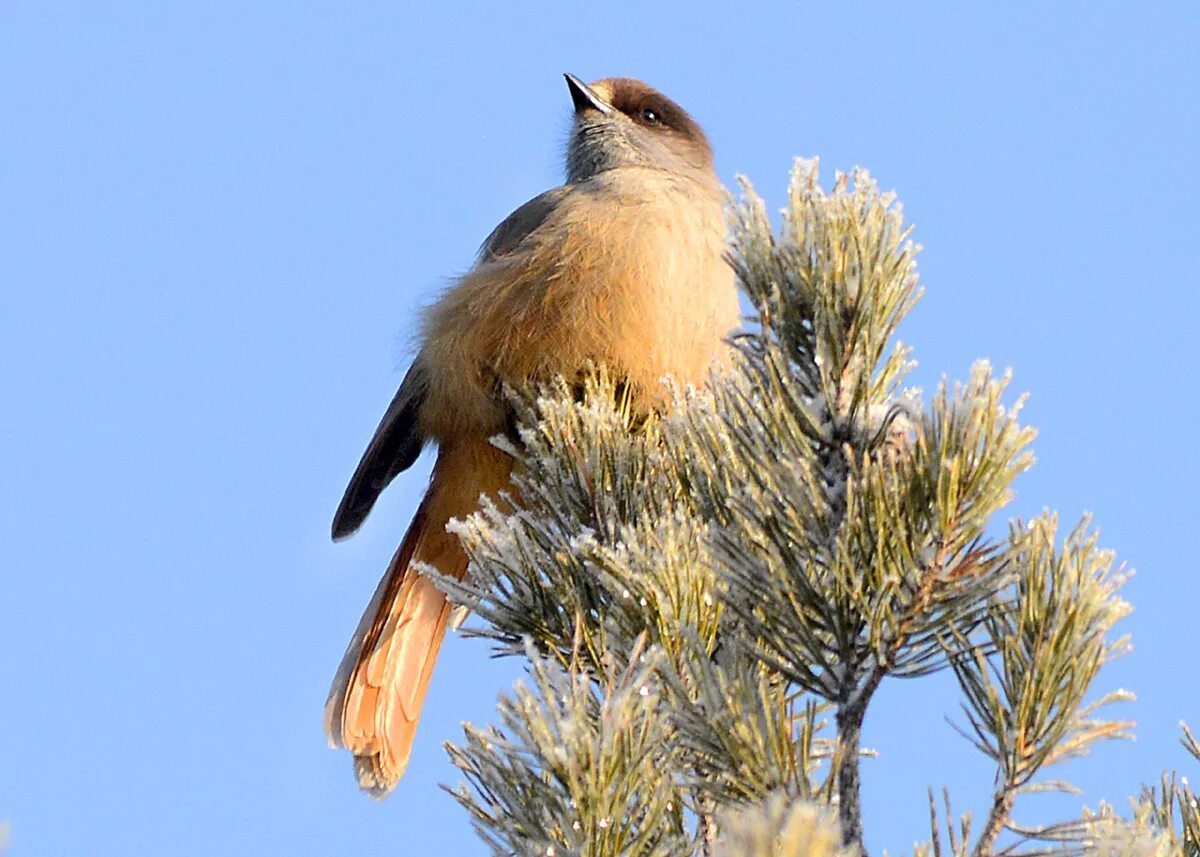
[(393, 449), (513, 229), (398, 440)]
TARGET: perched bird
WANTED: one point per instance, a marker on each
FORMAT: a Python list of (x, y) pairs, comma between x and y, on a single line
[(621, 266)]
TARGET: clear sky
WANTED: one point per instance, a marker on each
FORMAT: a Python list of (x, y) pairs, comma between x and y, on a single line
[(217, 224)]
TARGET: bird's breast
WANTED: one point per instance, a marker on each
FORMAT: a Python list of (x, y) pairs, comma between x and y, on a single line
[(627, 271)]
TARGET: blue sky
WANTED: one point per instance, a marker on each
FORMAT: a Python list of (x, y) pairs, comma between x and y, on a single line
[(217, 224)]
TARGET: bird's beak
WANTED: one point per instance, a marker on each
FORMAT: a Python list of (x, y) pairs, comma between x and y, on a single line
[(585, 97)]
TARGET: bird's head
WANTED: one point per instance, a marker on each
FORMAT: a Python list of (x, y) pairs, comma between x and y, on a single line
[(622, 122)]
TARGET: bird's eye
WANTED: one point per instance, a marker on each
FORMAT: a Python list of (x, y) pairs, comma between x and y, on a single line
[(650, 116)]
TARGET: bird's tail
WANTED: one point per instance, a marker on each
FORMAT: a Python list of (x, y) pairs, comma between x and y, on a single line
[(377, 694)]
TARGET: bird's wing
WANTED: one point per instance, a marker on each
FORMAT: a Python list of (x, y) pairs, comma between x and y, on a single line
[(514, 228), (395, 446), (398, 440)]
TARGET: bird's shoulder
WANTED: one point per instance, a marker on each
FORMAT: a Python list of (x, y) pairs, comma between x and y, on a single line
[(517, 226)]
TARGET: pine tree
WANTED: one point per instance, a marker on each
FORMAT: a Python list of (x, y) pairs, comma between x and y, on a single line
[(709, 599)]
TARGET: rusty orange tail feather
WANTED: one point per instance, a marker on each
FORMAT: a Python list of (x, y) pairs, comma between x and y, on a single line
[(375, 701)]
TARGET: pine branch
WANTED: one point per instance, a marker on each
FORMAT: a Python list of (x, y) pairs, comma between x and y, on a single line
[(1172, 808), (1025, 705), (578, 767), (698, 591), (780, 827)]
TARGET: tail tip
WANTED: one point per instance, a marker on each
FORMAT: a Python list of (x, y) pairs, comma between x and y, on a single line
[(372, 779)]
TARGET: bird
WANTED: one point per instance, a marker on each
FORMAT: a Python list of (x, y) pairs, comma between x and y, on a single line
[(622, 266)]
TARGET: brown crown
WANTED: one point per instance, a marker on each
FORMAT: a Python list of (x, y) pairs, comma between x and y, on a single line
[(633, 98)]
